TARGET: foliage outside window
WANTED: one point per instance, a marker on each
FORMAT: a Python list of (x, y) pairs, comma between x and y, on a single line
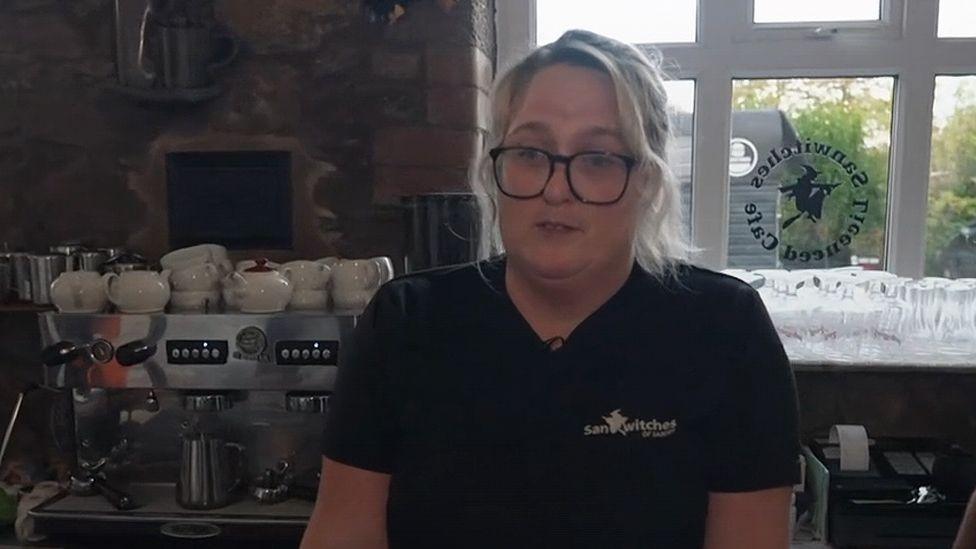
[(951, 221)]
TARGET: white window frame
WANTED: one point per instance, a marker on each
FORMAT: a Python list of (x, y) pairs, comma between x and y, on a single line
[(903, 45)]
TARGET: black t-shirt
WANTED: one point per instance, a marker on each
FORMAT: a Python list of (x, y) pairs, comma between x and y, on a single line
[(669, 391)]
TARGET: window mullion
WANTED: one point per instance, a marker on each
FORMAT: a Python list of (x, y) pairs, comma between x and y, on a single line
[(710, 177), (912, 145)]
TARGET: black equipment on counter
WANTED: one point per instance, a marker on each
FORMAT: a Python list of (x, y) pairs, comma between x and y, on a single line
[(913, 494)]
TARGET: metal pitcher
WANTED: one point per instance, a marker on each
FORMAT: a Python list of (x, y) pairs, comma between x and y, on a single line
[(209, 471)]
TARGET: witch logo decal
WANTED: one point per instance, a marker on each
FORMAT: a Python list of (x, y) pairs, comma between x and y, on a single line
[(808, 194)]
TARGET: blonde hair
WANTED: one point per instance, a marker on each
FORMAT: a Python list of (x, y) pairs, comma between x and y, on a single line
[(659, 243)]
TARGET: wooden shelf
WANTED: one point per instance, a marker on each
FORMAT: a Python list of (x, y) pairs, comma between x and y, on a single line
[(20, 307)]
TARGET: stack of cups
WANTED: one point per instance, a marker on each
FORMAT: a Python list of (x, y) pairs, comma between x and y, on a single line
[(310, 280), (354, 281), (195, 277)]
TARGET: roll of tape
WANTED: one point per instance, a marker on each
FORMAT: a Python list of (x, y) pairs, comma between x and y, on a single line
[(853, 442)]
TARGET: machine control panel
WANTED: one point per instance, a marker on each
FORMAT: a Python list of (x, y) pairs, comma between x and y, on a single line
[(196, 351), (307, 352)]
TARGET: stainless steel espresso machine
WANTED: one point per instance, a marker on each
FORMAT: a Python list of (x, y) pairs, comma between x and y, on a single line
[(191, 426)]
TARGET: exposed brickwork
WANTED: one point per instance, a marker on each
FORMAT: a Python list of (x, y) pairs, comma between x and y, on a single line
[(425, 146), (394, 182), (391, 110), (459, 67), (451, 107)]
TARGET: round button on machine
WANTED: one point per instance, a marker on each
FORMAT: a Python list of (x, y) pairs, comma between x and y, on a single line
[(326, 353), (205, 353), (285, 353), (215, 353), (306, 354), (195, 353), (175, 353), (185, 353), (316, 353)]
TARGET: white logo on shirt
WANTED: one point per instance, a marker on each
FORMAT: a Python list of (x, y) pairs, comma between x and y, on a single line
[(617, 423)]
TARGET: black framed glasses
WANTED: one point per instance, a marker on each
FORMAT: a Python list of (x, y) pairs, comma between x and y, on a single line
[(594, 177)]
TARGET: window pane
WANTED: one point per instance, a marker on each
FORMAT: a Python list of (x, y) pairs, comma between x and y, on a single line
[(801, 11), (809, 172), (957, 19), (951, 226), (632, 21), (681, 105)]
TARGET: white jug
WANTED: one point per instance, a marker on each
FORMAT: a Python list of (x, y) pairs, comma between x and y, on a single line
[(79, 292), (138, 291)]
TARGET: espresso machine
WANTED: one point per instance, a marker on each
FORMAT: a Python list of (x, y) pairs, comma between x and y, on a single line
[(190, 426)]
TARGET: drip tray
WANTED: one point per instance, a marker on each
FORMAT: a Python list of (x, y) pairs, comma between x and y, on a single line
[(160, 516)]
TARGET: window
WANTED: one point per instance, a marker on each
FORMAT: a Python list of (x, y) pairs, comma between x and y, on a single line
[(957, 19), (635, 21), (809, 172), (681, 105), (951, 223), (887, 53), (799, 11)]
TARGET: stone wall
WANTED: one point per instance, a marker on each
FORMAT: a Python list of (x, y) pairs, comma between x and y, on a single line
[(370, 112)]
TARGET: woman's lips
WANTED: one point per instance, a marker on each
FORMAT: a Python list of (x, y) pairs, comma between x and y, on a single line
[(555, 227)]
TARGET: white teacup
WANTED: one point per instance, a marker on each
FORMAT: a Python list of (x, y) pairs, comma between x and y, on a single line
[(188, 257), (195, 300), (354, 281), (79, 292), (308, 275), (306, 300), (200, 278)]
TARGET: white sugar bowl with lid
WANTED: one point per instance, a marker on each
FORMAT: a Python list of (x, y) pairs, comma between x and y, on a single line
[(260, 289)]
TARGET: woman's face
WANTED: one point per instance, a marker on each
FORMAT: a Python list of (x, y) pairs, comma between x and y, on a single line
[(565, 110)]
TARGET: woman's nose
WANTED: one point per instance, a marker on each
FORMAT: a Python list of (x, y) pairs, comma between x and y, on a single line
[(557, 188)]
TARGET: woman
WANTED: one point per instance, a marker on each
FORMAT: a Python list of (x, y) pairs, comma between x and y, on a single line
[(586, 388)]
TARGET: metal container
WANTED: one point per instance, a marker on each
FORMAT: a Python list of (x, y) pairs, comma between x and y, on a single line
[(209, 473), (6, 275), (442, 229), (21, 275), (70, 251), (113, 251), (126, 261), (90, 260), (44, 269)]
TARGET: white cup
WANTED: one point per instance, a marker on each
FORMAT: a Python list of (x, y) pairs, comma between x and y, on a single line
[(309, 300), (187, 257), (354, 281), (200, 278), (308, 275), (208, 300)]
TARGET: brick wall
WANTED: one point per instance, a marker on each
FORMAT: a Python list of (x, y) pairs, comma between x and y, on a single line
[(371, 112)]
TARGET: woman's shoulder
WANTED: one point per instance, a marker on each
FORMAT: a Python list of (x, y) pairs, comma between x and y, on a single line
[(699, 282), (440, 287)]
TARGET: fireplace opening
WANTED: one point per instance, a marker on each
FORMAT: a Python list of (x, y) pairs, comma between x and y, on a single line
[(239, 199)]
